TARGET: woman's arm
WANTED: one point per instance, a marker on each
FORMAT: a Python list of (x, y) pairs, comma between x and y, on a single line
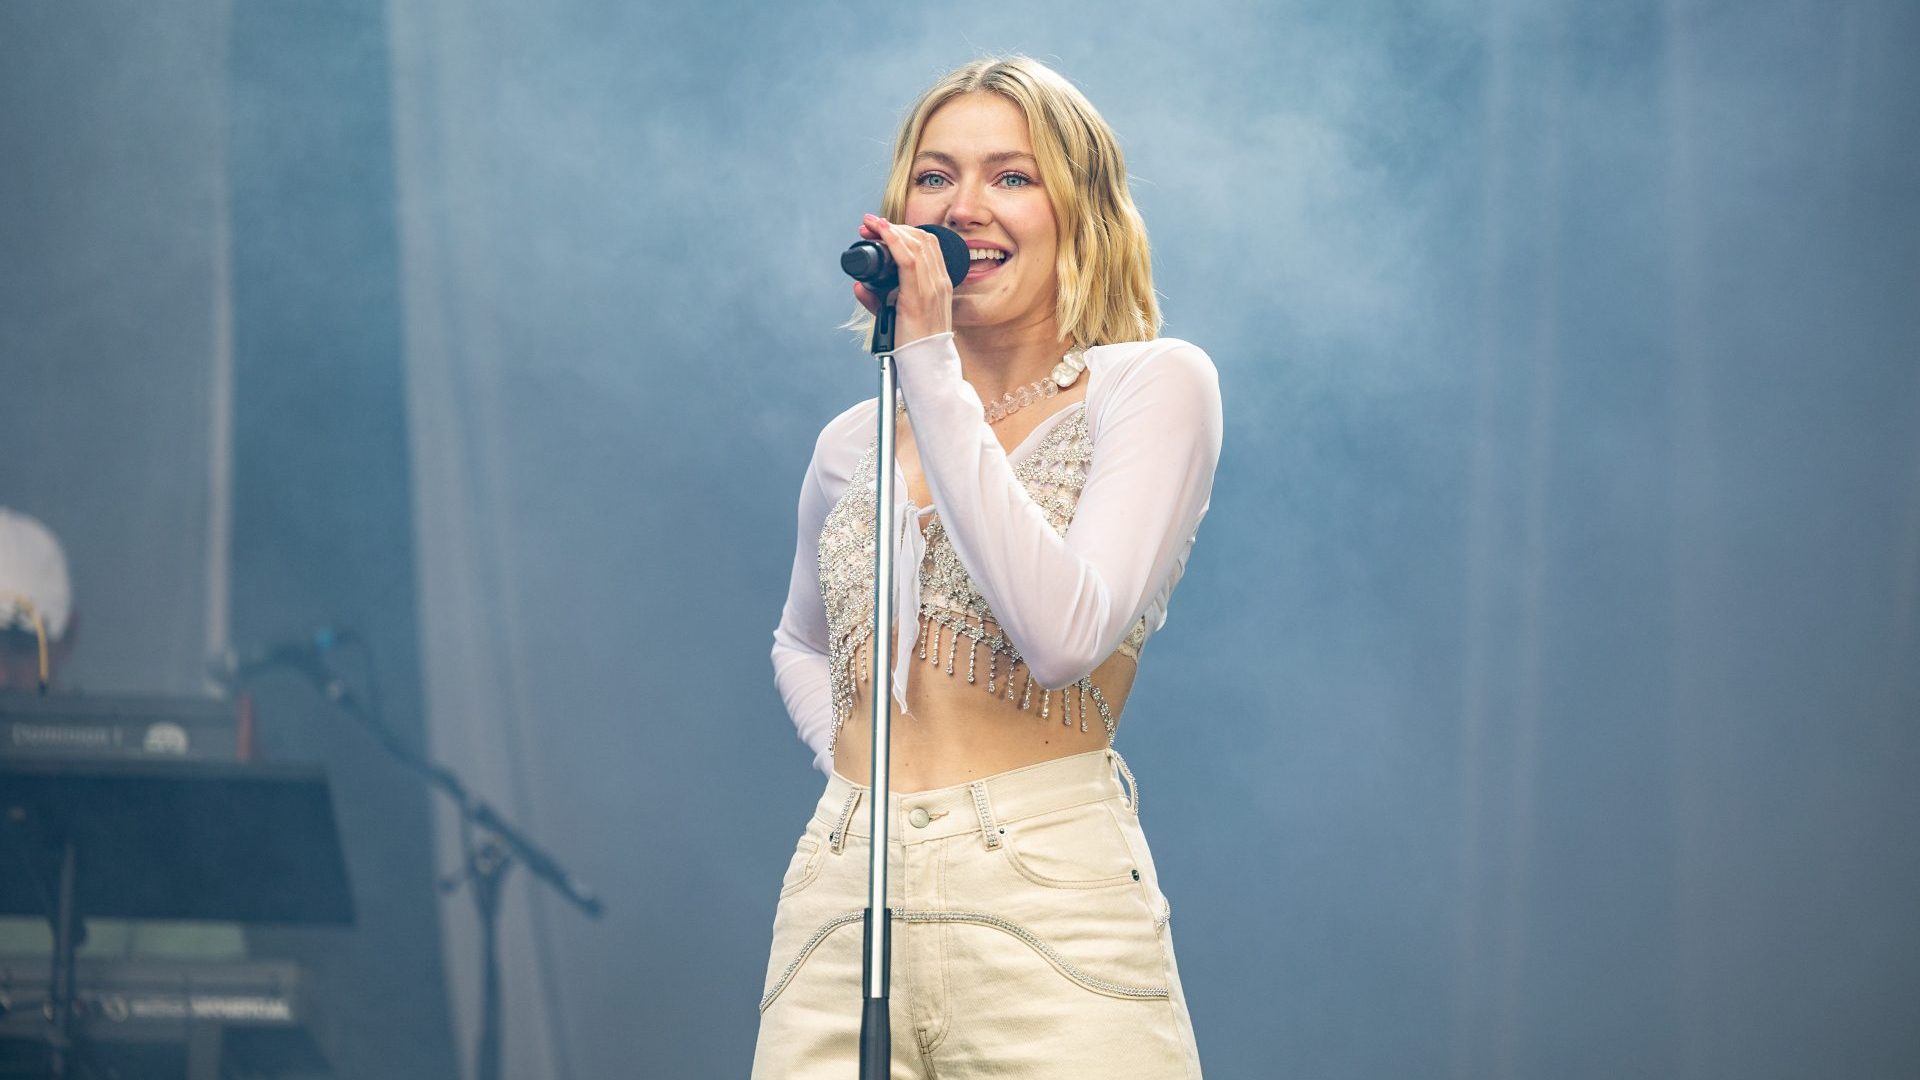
[(1066, 601), (800, 665)]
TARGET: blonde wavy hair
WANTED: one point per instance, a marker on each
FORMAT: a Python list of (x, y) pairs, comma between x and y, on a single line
[(1104, 268)]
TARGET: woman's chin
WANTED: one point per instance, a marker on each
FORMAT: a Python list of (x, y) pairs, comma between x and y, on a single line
[(984, 313), (969, 311)]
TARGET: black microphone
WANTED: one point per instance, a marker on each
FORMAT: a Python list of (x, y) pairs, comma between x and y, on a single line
[(230, 667), (871, 264)]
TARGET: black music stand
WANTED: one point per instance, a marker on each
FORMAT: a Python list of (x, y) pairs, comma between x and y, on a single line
[(163, 840)]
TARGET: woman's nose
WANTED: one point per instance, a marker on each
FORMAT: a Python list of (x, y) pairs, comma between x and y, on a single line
[(967, 208)]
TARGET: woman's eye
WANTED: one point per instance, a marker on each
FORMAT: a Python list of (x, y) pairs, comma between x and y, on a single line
[(939, 180)]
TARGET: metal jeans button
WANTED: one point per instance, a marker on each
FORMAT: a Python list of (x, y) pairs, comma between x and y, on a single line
[(919, 817)]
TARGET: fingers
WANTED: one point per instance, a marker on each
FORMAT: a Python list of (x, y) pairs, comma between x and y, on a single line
[(883, 231), (925, 299), (906, 244), (867, 297)]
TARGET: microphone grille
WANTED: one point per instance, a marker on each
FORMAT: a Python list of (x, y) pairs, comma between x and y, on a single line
[(954, 250)]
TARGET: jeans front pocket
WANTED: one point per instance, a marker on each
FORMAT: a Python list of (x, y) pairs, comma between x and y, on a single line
[(817, 901), (1062, 886), (803, 868), (1080, 847)]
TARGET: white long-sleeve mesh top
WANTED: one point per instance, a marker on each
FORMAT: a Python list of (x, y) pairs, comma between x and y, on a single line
[(1055, 556)]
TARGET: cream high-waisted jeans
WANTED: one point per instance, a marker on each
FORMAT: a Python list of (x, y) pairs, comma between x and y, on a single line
[(1030, 935)]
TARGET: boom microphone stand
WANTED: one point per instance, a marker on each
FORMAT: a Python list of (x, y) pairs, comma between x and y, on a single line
[(872, 265), (501, 846)]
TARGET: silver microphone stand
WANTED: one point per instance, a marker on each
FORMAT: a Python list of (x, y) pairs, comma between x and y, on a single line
[(876, 1033), (868, 263)]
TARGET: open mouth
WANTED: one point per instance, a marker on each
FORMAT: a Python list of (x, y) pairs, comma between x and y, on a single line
[(986, 261)]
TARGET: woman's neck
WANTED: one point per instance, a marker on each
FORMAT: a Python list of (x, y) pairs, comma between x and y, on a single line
[(999, 359)]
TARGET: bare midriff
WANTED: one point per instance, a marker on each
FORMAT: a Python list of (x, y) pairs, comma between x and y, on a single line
[(954, 731)]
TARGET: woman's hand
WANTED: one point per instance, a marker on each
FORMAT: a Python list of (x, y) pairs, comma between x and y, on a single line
[(925, 296)]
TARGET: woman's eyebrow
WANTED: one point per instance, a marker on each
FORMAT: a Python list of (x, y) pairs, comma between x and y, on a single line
[(991, 159)]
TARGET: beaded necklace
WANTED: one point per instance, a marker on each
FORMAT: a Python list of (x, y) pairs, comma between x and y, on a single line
[(1064, 374)]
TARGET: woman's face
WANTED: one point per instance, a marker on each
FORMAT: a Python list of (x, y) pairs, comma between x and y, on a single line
[(975, 173)]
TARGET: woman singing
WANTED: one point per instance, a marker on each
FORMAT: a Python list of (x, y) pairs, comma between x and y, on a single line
[(1056, 457)]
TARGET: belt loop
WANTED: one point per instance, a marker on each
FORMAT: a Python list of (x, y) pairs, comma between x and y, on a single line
[(837, 840), (988, 830), (1133, 789)]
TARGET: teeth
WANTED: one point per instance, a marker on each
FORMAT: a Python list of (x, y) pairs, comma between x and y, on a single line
[(979, 254)]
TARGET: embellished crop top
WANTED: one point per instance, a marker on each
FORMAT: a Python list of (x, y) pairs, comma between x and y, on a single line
[(1055, 555)]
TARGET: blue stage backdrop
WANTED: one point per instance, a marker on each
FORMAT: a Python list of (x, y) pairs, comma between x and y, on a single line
[(1543, 699)]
